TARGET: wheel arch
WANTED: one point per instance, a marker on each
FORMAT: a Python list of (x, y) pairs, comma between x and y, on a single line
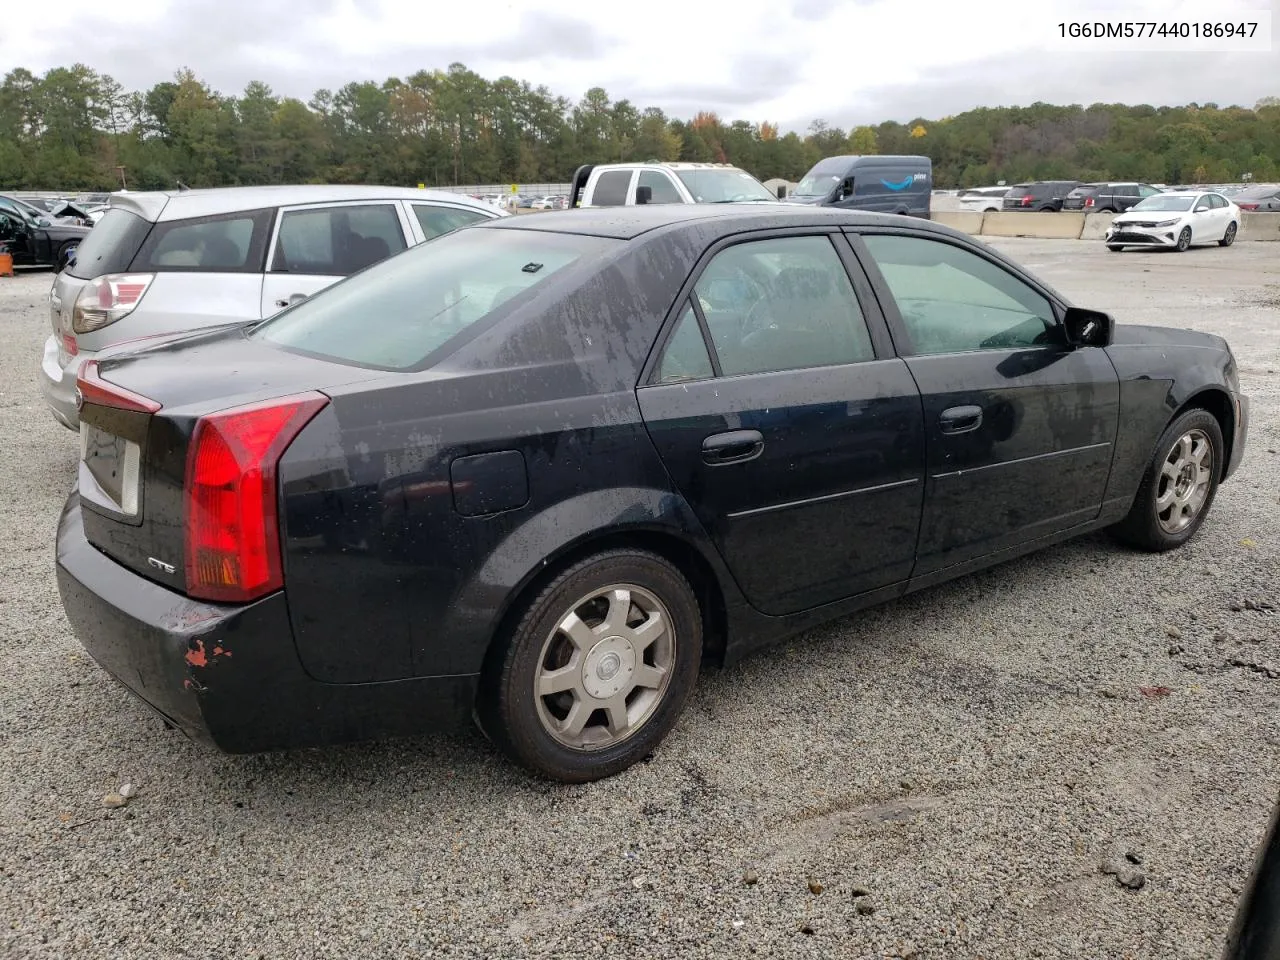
[(664, 543), (1216, 401)]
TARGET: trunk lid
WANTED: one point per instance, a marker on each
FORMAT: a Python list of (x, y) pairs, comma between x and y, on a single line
[(139, 412)]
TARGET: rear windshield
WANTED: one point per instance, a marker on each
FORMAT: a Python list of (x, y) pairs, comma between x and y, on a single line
[(396, 314), (110, 246)]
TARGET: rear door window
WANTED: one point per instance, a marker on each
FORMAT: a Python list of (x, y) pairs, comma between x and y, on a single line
[(230, 243), (611, 188), (336, 241), (437, 221)]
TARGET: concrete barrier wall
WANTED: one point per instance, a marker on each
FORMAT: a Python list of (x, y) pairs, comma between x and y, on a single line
[(1259, 226), (1046, 226), (1095, 226), (963, 220)]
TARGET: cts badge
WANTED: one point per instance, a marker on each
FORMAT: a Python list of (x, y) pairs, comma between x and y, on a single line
[(160, 565)]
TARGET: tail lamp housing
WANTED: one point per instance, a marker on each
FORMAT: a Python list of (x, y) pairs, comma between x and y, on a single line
[(108, 298), (232, 524)]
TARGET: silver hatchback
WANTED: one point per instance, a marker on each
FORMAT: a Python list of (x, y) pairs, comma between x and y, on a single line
[(171, 262)]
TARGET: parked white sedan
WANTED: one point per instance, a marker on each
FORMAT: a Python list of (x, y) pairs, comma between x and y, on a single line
[(1176, 221), (982, 199)]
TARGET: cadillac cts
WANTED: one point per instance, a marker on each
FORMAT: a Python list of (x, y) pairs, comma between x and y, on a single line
[(537, 470)]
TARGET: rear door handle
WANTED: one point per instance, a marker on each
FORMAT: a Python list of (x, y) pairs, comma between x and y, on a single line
[(736, 446), (960, 419)]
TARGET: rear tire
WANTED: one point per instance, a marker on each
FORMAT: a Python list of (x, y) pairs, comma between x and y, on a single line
[(615, 641), (1115, 247), (1179, 486), (1229, 237), (64, 251)]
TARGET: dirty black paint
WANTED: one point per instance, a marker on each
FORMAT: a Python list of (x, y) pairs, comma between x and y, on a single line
[(417, 509)]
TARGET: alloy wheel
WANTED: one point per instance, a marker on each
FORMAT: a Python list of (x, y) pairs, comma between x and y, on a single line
[(605, 667), (1185, 480)]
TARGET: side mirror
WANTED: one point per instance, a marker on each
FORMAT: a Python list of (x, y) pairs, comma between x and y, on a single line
[(644, 194), (846, 188), (782, 193), (1088, 328)]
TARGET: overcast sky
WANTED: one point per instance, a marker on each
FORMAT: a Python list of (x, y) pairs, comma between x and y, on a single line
[(787, 61)]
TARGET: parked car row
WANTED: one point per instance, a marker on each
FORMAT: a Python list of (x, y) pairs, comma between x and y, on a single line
[(168, 262), (36, 237), (887, 184), (1105, 197)]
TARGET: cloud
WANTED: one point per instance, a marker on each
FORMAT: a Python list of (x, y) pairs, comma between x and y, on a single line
[(1020, 80), (813, 9), (844, 60)]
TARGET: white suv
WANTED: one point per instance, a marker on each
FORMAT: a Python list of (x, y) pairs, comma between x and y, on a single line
[(171, 262), (626, 184)]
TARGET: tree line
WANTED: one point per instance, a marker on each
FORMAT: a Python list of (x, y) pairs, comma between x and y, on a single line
[(76, 129)]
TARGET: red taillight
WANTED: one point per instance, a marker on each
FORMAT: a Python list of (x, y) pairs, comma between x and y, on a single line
[(1247, 206), (232, 525), (93, 389), (69, 345), (1088, 201)]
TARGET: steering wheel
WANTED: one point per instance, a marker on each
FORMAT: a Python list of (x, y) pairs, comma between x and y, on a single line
[(751, 323)]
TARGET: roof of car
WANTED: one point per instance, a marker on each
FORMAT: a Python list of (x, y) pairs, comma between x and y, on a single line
[(667, 164), (626, 223), (182, 204)]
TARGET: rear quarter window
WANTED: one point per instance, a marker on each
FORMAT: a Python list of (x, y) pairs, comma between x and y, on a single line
[(228, 243), (110, 246), (400, 313)]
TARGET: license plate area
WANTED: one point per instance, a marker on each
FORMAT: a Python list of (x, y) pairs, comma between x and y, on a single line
[(110, 469)]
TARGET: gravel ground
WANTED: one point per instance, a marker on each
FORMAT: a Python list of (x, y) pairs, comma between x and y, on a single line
[(941, 777)]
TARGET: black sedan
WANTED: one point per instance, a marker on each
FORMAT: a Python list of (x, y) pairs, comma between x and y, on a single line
[(537, 470), (37, 241)]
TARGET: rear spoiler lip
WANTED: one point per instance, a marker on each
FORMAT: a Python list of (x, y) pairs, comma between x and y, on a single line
[(92, 388)]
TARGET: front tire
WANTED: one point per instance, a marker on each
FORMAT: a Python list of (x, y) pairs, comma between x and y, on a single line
[(597, 669), (1184, 240), (1179, 486), (1229, 237)]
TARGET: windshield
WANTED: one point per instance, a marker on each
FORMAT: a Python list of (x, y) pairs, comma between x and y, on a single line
[(822, 179), (1164, 202), (24, 209), (394, 315), (723, 186)]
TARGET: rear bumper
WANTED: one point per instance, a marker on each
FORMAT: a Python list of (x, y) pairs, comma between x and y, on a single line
[(58, 383), (230, 676)]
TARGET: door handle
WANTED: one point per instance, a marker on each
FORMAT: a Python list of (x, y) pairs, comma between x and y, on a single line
[(960, 419), (295, 298), (736, 446)]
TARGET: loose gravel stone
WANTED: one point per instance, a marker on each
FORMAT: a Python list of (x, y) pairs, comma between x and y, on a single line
[(985, 692)]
